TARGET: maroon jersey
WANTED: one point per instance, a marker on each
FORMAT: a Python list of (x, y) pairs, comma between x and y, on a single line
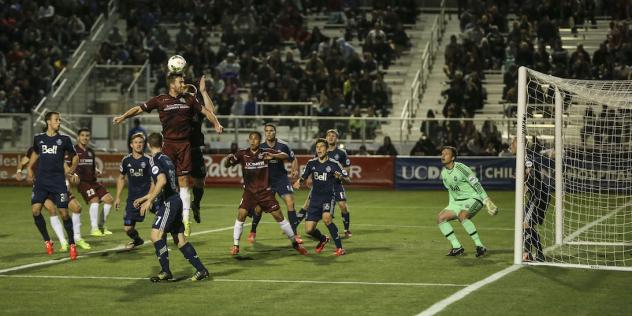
[(86, 167), (254, 168), (176, 114)]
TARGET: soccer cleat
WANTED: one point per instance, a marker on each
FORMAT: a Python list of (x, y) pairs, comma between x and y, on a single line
[(321, 245), (187, 228), (199, 275), (235, 250), (456, 252), (96, 233), (299, 248), (106, 231), (73, 252), (134, 243), (83, 244), (348, 234), (49, 247), (196, 212), (340, 252), (480, 251), (64, 247), (162, 276), (298, 239), (251, 237)]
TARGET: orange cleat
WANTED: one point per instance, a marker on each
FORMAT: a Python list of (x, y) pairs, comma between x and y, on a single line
[(49, 247), (251, 237), (340, 252), (73, 252), (321, 245), (235, 250), (299, 248)]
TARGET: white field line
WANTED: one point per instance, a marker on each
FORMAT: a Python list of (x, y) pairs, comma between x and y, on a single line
[(441, 305), (60, 260), (26, 276)]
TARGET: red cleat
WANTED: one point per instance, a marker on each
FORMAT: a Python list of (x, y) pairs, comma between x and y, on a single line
[(49, 247), (298, 239), (251, 237), (321, 245), (235, 250), (73, 252), (300, 248), (340, 252)]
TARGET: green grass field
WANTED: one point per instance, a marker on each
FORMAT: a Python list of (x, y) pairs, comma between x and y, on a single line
[(395, 266)]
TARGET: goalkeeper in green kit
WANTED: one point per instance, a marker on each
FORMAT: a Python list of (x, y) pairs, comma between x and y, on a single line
[(467, 197)]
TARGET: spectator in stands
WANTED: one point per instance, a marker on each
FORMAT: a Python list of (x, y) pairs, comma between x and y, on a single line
[(377, 43), (229, 67), (424, 147), (387, 148), (362, 151)]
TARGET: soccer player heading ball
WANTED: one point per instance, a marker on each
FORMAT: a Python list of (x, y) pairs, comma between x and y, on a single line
[(467, 197)]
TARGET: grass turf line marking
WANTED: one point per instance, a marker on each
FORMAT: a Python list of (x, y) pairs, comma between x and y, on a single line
[(91, 253), (441, 305), (26, 276)]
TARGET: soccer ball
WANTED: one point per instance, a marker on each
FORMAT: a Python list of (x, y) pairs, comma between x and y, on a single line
[(176, 64)]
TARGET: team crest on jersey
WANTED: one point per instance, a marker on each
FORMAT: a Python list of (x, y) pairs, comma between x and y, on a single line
[(260, 156), (143, 165), (89, 154), (336, 156), (328, 169), (59, 142), (182, 100), (326, 206)]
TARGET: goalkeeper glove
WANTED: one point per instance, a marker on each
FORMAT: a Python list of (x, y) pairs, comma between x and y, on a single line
[(492, 209)]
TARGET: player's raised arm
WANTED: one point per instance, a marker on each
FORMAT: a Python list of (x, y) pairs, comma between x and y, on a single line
[(130, 113)]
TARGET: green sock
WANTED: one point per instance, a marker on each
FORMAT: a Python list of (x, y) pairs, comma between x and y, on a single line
[(471, 229), (448, 232)]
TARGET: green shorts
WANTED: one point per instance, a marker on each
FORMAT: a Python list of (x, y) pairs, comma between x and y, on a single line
[(471, 206)]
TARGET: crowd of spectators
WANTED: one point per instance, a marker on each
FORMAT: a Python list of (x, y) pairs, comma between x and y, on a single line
[(36, 39), (267, 52), (487, 42)]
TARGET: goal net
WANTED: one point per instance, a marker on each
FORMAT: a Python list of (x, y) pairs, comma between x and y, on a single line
[(573, 172)]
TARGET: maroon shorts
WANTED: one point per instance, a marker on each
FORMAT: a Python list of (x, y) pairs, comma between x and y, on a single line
[(265, 199), (180, 154), (90, 190)]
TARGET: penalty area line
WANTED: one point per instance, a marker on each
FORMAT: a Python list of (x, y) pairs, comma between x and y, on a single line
[(92, 253), (27, 276)]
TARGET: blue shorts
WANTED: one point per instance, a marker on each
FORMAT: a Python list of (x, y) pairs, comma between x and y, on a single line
[(339, 192), (282, 186), (169, 216), (317, 207), (39, 195), (132, 214)]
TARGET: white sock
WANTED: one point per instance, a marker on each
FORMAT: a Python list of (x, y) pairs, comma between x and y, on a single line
[(106, 212), (94, 216), (239, 227), (58, 228), (286, 228), (76, 225), (185, 196)]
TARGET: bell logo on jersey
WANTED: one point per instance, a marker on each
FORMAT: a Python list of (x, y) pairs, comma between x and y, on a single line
[(136, 173), (49, 150), (321, 177)]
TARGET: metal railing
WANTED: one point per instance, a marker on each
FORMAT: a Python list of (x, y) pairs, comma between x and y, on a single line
[(420, 81), (300, 131)]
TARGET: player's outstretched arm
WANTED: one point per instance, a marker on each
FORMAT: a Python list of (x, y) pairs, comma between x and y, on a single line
[(120, 183), (230, 161), (130, 113)]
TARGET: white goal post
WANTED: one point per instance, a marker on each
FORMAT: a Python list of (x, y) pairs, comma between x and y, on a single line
[(573, 203)]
